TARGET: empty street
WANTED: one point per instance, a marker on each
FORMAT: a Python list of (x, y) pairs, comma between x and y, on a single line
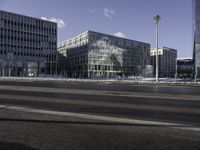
[(171, 112)]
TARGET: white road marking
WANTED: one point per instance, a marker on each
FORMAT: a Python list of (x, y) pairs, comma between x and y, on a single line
[(109, 104), (101, 118)]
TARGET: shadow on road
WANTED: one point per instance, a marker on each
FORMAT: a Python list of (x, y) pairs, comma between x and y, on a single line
[(15, 146)]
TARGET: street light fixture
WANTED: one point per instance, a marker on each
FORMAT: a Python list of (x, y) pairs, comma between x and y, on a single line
[(156, 19)]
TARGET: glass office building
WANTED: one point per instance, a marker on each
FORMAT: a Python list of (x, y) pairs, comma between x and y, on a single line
[(167, 61), (28, 45), (93, 54), (185, 68), (196, 36)]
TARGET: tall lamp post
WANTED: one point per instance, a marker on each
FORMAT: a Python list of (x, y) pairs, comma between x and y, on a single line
[(156, 19)]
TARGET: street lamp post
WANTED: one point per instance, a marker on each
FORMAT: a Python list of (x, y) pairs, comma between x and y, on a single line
[(176, 74), (195, 77), (156, 19)]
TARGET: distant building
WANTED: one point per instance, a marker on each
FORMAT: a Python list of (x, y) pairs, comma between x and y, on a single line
[(28, 45), (185, 67), (167, 61), (93, 54)]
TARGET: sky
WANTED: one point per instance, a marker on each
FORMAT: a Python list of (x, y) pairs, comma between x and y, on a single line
[(131, 19)]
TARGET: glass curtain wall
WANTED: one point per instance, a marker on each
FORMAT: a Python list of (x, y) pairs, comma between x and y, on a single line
[(196, 35)]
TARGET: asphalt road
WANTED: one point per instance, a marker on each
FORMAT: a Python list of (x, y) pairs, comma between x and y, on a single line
[(126, 87), (158, 103), (167, 104)]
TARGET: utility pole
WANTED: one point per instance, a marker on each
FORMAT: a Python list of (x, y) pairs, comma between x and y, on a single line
[(156, 19)]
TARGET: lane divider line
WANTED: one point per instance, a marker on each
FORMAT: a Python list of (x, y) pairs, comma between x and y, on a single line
[(101, 118), (108, 104)]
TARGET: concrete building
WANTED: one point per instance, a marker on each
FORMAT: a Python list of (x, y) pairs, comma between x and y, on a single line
[(167, 61), (185, 67), (93, 54), (28, 45), (196, 36)]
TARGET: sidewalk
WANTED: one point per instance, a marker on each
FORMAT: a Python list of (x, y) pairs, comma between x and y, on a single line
[(162, 81)]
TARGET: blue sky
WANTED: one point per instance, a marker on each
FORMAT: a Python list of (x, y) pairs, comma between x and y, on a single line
[(129, 18)]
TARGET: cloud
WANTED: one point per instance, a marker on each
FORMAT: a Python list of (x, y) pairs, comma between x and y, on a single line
[(109, 12), (60, 22), (120, 34)]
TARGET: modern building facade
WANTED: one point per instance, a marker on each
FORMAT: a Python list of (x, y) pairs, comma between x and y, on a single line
[(166, 61), (185, 67), (196, 36), (92, 54), (28, 45)]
